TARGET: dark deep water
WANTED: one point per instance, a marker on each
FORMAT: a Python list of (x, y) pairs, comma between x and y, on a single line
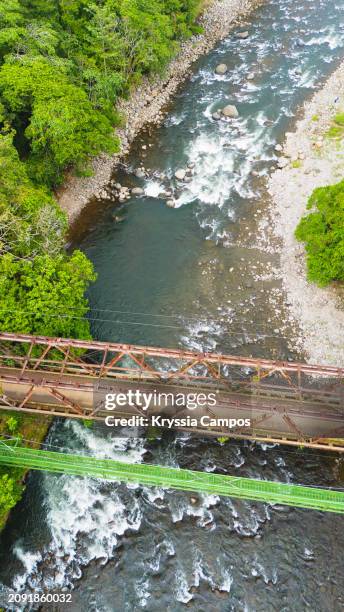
[(202, 275)]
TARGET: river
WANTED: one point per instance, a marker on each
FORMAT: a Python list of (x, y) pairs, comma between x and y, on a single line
[(202, 275)]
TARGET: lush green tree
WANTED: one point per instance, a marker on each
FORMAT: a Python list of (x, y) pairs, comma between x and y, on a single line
[(103, 61), (66, 131), (46, 10), (63, 129), (322, 230), (9, 493), (11, 25), (31, 222), (66, 62), (46, 295), (148, 33)]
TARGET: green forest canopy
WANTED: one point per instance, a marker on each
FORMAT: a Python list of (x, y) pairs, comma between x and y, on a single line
[(64, 63)]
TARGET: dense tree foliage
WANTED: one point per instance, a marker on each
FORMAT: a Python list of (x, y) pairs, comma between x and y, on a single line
[(64, 63), (31, 222), (61, 126), (38, 281), (323, 232), (9, 493), (46, 295)]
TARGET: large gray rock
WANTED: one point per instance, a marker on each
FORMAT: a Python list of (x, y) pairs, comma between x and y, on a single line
[(170, 203), (180, 174), (230, 111), (243, 34), (139, 172), (216, 116), (221, 69), (137, 191)]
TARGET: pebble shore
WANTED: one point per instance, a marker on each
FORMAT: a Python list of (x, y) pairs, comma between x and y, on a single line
[(310, 159), (147, 102)]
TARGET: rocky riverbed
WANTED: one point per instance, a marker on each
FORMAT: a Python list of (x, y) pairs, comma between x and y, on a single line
[(310, 159), (147, 102)]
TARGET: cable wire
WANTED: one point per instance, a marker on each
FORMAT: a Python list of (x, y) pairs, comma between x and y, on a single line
[(145, 314), (140, 324)]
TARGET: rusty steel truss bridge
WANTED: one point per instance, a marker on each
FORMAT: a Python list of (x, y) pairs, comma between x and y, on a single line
[(288, 403)]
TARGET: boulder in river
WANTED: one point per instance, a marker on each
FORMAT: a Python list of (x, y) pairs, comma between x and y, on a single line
[(221, 69), (137, 191), (180, 174), (139, 173), (230, 111), (243, 35), (216, 116), (170, 203)]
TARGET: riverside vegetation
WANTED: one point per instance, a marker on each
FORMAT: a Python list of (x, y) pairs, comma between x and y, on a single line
[(323, 232), (322, 229), (63, 66)]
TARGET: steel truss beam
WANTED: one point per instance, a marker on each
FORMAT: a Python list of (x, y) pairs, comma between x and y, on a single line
[(70, 360)]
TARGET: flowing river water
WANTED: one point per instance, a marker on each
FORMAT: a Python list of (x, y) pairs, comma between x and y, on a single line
[(202, 275)]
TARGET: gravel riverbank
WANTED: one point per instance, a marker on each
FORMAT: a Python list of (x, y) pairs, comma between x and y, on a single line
[(148, 100), (311, 160)]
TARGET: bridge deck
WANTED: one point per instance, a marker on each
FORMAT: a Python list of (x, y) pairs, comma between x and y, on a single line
[(153, 475), (273, 418)]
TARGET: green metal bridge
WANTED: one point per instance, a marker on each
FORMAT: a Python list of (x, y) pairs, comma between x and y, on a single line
[(327, 500)]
